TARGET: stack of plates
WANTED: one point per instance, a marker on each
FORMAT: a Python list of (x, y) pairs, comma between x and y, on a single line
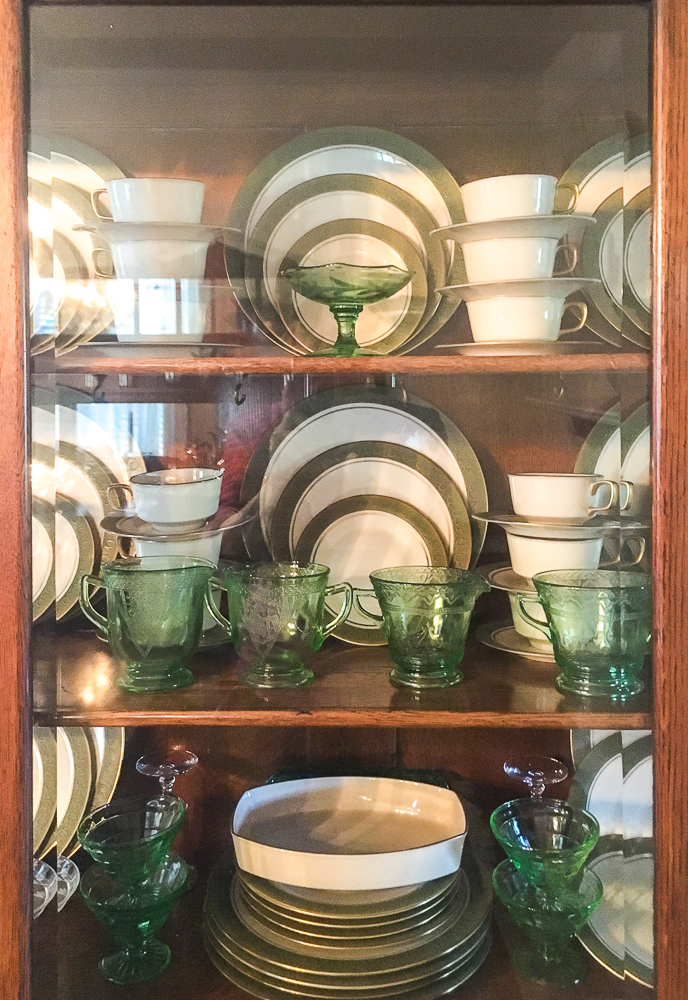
[(614, 185), (421, 941), (354, 195), (74, 770), (68, 302), (74, 461), (363, 477)]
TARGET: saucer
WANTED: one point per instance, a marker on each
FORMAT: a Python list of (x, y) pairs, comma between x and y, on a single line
[(125, 232), (121, 523), (503, 635), (592, 527), (556, 288), (501, 348), (503, 577), (552, 227)]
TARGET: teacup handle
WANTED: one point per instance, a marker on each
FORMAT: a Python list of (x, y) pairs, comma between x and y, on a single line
[(340, 588), (582, 309), (215, 584), (573, 200), (96, 266), (367, 614), (95, 199), (613, 495), (634, 562), (111, 492), (629, 489), (540, 626), (571, 254), (85, 601)]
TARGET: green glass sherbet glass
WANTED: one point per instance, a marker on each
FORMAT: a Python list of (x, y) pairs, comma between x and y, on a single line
[(346, 289), (133, 918)]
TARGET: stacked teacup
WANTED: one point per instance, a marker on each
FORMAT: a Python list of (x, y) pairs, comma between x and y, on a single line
[(558, 523), (158, 249), (510, 244)]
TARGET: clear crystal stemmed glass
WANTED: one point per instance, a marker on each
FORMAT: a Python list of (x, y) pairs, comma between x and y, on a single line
[(166, 766)]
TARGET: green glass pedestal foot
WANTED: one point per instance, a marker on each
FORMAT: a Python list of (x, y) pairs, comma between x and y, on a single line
[(425, 677), (140, 678), (135, 966), (566, 968)]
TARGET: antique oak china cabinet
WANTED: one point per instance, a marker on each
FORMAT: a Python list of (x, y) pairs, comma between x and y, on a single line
[(321, 132)]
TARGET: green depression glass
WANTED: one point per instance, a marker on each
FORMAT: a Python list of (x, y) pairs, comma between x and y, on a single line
[(130, 837), (154, 617), (546, 839), (551, 958), (600, 625), (276, 614), (133, 918), (425, 616), (346, 289)]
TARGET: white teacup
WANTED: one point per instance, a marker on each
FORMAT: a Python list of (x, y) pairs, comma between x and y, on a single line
[(524, 318), (536, 555), (136, 259), (515, 259), (523, 627), (152, 199), (175, 499), (509, 196), (568, 496)]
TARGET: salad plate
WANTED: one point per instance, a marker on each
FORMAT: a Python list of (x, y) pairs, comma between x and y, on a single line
[(638, 265), (44, 784), (77, 552), (503, 636), (42, 555)]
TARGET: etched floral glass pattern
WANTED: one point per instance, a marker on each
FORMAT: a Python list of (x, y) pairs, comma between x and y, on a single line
[(426, 612), (600, 623)]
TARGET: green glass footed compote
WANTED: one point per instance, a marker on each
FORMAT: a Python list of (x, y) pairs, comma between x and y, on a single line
[(130, 837), (346, 289), (133, 918), (549, 957)]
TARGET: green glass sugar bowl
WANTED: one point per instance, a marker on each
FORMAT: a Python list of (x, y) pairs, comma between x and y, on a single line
[(134, 917), (130, 837), (346, 289), (549, 925), (425, 616)]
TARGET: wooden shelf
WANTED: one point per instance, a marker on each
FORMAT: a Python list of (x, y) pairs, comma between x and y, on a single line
[(288, 365), (67, 947), (351, 689)]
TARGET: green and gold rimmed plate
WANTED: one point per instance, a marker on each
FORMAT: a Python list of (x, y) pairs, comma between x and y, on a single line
[(601, 257), (388, 324), (600, 453), (73, 782), (44, 785), (74, 162), (360, 534), (77, 552), (638, 893), (637, 301), (396, 907), (108, 750), (315, 203), (373, 468), (348, 415), (42, 555)]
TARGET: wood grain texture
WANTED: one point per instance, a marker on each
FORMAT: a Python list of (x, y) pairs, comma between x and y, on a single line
[(289, 365), (351, 688), (670, 461), (15, 588)]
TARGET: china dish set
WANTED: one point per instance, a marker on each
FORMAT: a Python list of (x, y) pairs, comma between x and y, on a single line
[(345, 241)]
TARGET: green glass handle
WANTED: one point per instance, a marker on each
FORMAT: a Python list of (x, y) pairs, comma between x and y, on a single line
[(85, 601), (340, 588), (212, 607), (367, 614), (533, 621)]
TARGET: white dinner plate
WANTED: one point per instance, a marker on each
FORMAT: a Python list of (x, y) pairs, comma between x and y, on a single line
[(66, 555), (41, 557)]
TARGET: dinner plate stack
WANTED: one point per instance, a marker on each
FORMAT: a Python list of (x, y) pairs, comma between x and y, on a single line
[(362, 477), (418, 941), (346, 195)]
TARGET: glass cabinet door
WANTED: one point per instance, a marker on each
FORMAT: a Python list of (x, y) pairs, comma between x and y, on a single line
[(340, 329)]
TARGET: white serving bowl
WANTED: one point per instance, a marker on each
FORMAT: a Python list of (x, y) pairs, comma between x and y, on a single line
[(349, 833)]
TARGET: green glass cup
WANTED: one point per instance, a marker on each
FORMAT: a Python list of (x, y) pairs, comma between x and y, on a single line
[(129, 838), (549, 925), (133, 918), (425, 617), (154, 620), (547, 840), (276, 618), (600, 625)]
